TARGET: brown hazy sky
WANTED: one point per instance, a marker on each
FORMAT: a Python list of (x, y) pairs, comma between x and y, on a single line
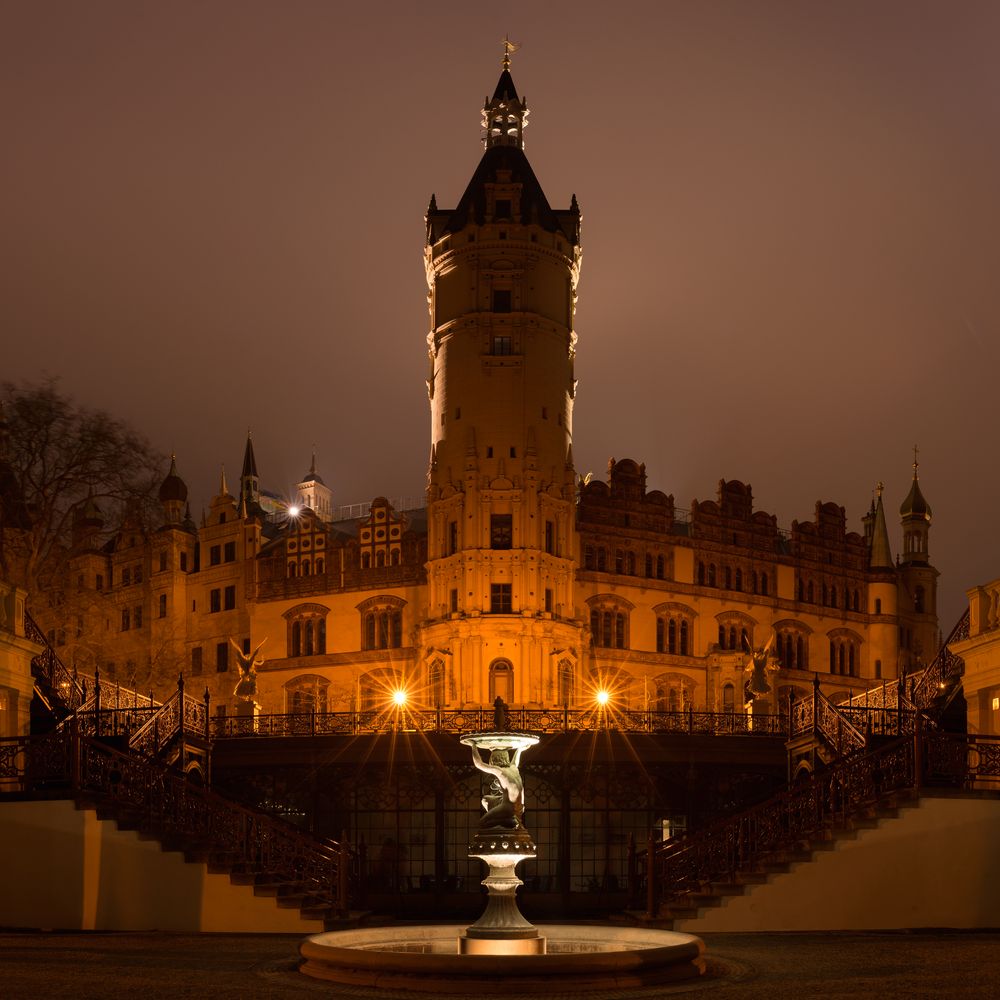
[(211, 218)]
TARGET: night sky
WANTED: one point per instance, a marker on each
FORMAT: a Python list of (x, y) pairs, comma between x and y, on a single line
[(212, 220)]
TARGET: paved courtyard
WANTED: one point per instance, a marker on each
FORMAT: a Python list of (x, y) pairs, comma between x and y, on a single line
[(86, 966)]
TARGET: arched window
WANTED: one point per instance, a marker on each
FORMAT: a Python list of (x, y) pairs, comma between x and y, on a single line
[(567, 683), (878, 605), (711, 574), (649, 564), (382, 622), (394, 557), (502, 681), (739, 579), (306, 629), (379, 559), (376, 689), (366, 560), (918, 600), (763, 584), (292, 570), (728, 698), (701, 574), (435, 683), (307, 693), (589, 561), (609, 621), (728, 576), (305, 567), (659, 567), (602, 560)]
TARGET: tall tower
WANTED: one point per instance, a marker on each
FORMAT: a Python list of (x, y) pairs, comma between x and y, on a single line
[(917, 577), (502, 270)]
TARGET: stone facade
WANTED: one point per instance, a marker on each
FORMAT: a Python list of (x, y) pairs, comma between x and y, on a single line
[(514, 579)]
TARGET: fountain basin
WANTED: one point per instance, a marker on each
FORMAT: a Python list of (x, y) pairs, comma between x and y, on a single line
[(578, 958)]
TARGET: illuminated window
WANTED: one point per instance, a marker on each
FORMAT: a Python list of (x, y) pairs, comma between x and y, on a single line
[(382, 622), (501, 531), (306, 629), (501, 599)]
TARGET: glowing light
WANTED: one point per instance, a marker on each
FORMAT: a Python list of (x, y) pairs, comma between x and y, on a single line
[(293, 511), (602, 697), (399, 697)]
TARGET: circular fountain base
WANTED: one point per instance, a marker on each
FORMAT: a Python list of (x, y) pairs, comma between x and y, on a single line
[(578, 958)]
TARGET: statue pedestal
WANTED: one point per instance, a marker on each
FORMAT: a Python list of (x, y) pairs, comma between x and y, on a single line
[(502, 929)]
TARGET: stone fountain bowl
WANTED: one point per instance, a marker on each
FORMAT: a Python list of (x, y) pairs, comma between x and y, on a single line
[(579, 958)]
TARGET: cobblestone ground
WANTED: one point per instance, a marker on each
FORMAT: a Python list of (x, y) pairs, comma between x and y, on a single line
[(235, 967)]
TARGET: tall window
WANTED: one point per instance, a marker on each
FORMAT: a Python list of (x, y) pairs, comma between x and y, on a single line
[(501, 599), (501, 531), (306, 625), (502, 680), (382, 622), (222, 656), (609, 622), (567, 683), (673, 629), (435, 683), (502, 300)]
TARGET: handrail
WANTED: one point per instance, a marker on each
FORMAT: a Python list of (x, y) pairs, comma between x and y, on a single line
[(793, 817), (943, 669), (179, 712), (50, 668), (540, 720), (171, 806)]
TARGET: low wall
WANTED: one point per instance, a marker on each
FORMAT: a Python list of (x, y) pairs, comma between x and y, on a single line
[(935, 865), (65, 869)]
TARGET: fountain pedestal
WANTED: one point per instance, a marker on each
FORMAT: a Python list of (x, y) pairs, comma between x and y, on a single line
[(502, 845)]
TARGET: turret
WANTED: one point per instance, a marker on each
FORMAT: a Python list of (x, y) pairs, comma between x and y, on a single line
[(315, 494), (173, 494), (249, 481)]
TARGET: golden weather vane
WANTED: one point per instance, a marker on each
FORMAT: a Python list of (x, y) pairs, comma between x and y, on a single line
[(509, 48)]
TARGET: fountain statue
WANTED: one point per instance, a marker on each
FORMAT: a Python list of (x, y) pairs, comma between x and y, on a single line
[(501, 954), (502, 841)]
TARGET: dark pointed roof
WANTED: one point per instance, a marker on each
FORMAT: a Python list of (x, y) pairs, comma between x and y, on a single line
[(535, 206), (505, 91), (881, 553), (915, 505), (249, 462)]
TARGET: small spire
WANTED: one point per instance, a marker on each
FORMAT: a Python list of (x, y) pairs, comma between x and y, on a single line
[(223, 488), (881, 552), (916, 462)]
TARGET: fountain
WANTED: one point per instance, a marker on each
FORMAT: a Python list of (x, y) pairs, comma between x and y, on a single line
[(502, 952)]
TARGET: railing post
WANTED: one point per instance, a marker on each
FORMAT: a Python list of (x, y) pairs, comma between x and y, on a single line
[(97, 701), (650, 877), (918, 752), (207, 700), (74, 753), (690, 718), (343, 873), (566, 717), (180, 721)]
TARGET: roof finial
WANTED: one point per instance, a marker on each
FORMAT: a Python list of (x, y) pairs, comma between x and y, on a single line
[(879, 486), (509, 48), (916, 463)]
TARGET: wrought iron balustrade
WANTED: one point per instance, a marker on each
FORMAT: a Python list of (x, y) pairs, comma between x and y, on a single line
[(461, 720), (160, 800), (50, 670), (794, 817)]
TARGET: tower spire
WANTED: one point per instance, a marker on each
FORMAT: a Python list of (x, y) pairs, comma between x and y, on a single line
[(881, 553), (505, 115)]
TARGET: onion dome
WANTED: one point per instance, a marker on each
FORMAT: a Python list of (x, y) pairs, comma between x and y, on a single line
[(173, 489)]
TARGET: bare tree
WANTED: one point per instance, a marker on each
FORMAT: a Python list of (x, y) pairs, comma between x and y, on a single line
[(63, 455)]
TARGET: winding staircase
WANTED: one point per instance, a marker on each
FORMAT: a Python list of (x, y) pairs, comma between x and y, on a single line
[(145, 765)]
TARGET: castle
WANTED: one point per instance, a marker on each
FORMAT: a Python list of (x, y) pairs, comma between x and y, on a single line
[(515, 578)]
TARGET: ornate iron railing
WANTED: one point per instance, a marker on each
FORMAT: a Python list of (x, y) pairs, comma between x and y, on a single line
[(941, 673), (51, 671), (817, 714), (163, 802), (539, 720), (178, 714), (793, 818)]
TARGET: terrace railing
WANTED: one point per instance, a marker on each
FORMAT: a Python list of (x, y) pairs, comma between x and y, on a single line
[(539, 720)]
